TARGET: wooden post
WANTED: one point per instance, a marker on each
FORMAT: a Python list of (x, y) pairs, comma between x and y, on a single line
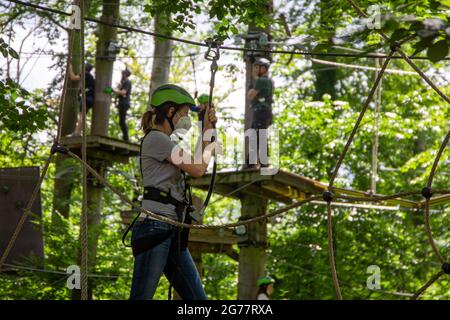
[(252, 256), (63, 173), (104, 67), (249, 68), (196, 254)]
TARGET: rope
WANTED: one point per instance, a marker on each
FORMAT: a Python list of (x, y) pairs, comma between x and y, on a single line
[(347, 284), (90, 275), (331, 252), (25, 214), (66, 80), (427, 285), (426, 215), (426, 193), (54, 54), (185, 225), (352, 66), (358, 122), (212, 54), (36, 189), (197, 43), (370, 198), (84, 218)]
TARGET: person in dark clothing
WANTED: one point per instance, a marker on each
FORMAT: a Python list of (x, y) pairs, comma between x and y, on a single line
[(90, 94), (200, 108), (260, 97), (123, 92)]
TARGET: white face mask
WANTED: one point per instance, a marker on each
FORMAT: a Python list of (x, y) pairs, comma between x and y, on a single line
[(184, 123)]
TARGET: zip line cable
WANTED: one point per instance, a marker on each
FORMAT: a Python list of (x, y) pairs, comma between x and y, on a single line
[(222, 47), (318, 61), (54, 54)]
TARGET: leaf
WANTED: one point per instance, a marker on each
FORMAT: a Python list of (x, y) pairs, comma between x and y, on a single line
[(423, 44), (13, 53), (399, 34), (438, 51), (445, 3), (416, 26)]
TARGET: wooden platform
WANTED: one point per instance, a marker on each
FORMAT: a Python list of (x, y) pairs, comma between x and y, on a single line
[(103, 148), (282, 186)]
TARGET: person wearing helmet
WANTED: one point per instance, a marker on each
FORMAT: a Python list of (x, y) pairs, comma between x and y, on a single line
[(202, 101), (159, 247), (265, 288), (123, 92), (260, 97), (90, 94)]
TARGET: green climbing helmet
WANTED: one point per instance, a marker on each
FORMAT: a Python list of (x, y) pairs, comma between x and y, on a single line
[(204, 98), (266, 280), (262, 62), (171, 93)]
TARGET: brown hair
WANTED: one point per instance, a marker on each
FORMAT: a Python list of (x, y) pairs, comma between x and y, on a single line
[(155, 116)]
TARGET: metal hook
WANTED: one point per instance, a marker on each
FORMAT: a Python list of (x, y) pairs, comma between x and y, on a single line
[(213, 53)]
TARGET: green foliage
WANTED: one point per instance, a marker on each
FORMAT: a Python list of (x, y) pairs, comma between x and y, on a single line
[(226, 13), (15, 113)]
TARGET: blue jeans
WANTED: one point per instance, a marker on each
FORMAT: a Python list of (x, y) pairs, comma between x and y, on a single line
[(151, 264)]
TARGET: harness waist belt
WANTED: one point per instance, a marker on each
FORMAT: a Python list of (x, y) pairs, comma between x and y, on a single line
[(154, 194)]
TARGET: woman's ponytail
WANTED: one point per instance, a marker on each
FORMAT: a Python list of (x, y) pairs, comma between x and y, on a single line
[(147, 121), (156, 116)]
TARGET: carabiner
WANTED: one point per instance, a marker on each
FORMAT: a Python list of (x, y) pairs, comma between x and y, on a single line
[(213, 53)]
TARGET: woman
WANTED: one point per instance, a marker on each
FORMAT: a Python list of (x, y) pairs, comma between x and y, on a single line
[(265, 288), (157, 246)]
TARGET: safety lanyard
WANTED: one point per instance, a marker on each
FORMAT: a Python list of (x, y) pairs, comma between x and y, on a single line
[(212, 54)]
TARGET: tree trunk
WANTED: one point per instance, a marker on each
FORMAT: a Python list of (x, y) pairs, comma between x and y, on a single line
[(195, 253), (64, 164), (103, 70), (249, 59), (161, 55), (252, 256)]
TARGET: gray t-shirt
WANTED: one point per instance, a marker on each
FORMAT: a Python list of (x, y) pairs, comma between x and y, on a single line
[(159, 173)]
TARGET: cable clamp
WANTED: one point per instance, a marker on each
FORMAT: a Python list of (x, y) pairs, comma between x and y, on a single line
[(394, 46), (446, 267), (327, 196), (427, 193)]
